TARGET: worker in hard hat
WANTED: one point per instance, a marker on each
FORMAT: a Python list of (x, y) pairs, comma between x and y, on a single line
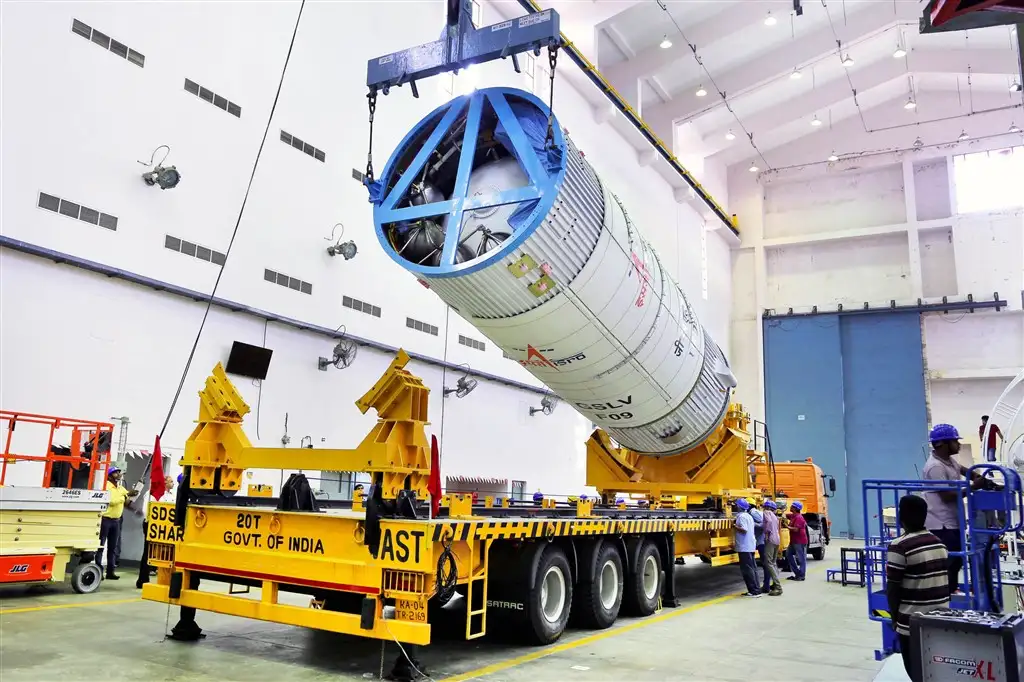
[(770, 553), (945, 506), (110, 526), (758, 517), (796, 553), (745, 546)]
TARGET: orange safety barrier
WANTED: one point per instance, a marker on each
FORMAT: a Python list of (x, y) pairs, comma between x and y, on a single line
[(89, 445)]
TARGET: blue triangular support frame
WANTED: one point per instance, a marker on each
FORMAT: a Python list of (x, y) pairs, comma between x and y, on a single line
[(544, 179)]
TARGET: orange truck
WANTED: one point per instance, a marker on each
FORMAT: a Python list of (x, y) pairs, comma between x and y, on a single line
[(806, 482)]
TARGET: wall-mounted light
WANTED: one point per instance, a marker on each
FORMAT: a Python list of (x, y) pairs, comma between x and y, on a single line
[(796, 75), (730, 136), (770, 20), (815, 121), (167, 177), (910, 104), (963, 136), (753, 167), (1014, 128), (847, 60), (701, 92), (347, 250), (833, 157), (918, 143), (665, 42)]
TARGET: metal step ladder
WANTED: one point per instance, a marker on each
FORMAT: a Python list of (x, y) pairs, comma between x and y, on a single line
[(476, 593)]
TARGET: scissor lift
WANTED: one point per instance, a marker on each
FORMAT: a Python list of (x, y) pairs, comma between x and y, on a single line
[(992, 511)]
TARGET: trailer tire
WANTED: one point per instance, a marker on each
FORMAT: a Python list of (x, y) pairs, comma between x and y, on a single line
[(818, 553), (643, 583), (86, 578), (549, 603), (596, 602)]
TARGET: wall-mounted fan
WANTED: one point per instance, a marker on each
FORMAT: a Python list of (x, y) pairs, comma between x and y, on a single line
[(547, 405), (344, 353), (464, 386)]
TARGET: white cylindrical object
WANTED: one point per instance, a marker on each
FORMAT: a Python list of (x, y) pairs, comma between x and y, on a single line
[(584, 304)]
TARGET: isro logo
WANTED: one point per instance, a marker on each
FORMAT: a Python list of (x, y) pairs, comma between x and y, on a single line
[(536, 358), (968, 667)]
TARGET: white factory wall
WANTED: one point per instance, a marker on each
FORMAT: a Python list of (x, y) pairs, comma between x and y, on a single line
[(878, 229), (87, 362), (78, 118)]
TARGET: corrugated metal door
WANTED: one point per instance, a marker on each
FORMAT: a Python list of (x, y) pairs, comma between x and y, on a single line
[(848, 391), (803, 370), (885, 419)]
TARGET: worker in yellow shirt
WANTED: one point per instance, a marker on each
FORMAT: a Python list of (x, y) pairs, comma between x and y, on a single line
[(110, 527)]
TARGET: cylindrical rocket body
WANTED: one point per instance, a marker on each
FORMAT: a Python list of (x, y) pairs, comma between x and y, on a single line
[(578, 297)]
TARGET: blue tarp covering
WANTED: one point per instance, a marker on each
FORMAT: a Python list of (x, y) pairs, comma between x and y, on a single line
[(535, 126)]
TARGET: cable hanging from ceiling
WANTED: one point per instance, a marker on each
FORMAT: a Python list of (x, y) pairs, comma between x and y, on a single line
[(714, 85), (846, 61)]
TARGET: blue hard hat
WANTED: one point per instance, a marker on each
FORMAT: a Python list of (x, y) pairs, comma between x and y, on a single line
[(181, 477), (538, 496), (113, 470), (770, 504), (797, 506), (941, 432), (620, 500), (743, 504)]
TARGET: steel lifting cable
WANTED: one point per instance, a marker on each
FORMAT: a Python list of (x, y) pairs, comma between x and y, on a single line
[(227, 252), (238, 222)]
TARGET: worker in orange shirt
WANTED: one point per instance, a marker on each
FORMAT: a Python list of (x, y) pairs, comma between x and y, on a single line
[(110, 521)]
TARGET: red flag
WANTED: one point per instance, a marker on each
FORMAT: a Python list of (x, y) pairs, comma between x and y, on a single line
[(157, 488), (434, 482)]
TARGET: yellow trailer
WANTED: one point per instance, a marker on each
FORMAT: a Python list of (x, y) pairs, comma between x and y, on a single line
[(528, 566)]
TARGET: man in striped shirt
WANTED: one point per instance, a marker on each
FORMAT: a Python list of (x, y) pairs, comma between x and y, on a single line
[(916, 571)]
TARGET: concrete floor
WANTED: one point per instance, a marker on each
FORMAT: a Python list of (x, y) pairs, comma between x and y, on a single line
[(815, 631)]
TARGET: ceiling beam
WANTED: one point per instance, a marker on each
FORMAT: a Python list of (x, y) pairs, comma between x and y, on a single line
[(649, 61), (873, 75), (816, 45), (848, 135)]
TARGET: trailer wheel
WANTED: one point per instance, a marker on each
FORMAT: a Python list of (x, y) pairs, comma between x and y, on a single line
[(597, 602), (550, 600), (86, 578), (643, 584), (818, 553)]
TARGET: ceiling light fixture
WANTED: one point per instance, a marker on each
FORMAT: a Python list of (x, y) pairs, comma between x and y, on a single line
[(701, 92), (833, 157), (665, 42), (899, 52), (753, 167), (770, 20), (815, 121), (1014, 128), (1015, 86), (911, 104), (918, 143), (796, 75), (963, 136), (730, 136), (847, 60)]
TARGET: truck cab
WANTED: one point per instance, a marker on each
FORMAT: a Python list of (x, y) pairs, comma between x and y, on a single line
[(804, 481)]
